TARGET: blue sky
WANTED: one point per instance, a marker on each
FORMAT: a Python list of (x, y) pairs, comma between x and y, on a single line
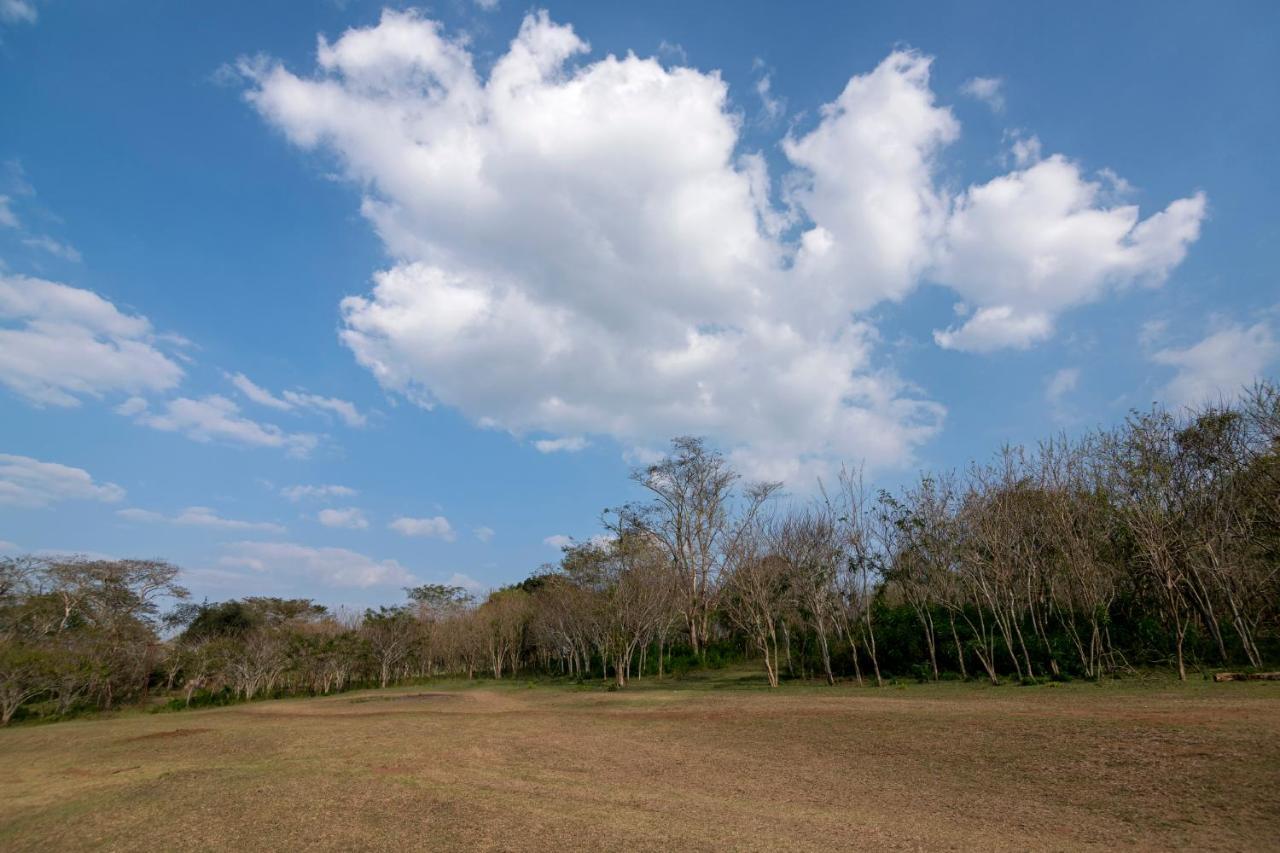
[(817, 235)]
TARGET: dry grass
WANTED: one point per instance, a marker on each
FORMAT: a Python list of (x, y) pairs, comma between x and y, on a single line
[(921, 767)]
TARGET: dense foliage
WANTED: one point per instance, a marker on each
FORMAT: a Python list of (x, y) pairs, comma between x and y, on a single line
[(1155, 543)]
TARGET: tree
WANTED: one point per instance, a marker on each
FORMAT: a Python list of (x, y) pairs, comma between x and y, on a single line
[(389, 635), (692, 515)]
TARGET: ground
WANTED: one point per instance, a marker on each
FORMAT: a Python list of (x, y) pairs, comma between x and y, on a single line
[(693, 765)]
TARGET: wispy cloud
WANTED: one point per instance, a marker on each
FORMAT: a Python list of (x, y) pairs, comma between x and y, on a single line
[(289, 401), (198, 516), (303, 492)]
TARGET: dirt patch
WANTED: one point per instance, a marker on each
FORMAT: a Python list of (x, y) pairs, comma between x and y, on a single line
[(410, 697), (172, 733)]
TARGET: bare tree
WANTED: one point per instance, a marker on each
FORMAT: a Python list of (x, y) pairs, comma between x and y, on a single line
[(692, 515)]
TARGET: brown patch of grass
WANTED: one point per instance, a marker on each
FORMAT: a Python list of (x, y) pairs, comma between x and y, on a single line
[(922, 767)]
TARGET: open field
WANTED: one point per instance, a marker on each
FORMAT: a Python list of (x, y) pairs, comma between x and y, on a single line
[(504, 767)]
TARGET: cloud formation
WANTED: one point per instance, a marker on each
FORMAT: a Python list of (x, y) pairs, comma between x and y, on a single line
[(582, 248), (436, 527), (989, 90), (334, 567), (61, 344), (33, 484), (303, 492), (215, 418), (558, 541), (294, 400), (198, 516), (350, 518), (1220, 365), (17, 12)]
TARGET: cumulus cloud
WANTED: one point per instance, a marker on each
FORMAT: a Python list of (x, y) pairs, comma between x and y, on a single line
[(198, 516), (294, 400), (335, 567), (580, 246), (32, 484), (1219, 366), (484, 534), (989, 90), (60, 344), (302, 492), (215, 418), (1030, 244), (436, 527), (350, 518)]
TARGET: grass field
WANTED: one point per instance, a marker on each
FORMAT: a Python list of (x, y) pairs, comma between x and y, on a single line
[(703, 765)]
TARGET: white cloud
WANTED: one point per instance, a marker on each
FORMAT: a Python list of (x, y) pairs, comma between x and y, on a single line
[(59, 344), (673, 51), (1026, 150), (569, 444), (558, 541), (437, 527), (45, 243), (257, 394), (215, 418), (1220, 366), (337, 567), (484, 534), (298, 493), (467, 582), (131, 407), (1152, 332), (30, 483), (989, 90), (349, 414), (868, 185), (1061, 383), (994, 328), (1030, 244), (293, 400), (144, 515), (8, 219), (580, 248), (17, 12), (772, 107), (350, 518), (1056, 389), (7, 547), (198, 516), (487, 5)]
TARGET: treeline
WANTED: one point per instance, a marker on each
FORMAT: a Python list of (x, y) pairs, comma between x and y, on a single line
[(1156, 543)]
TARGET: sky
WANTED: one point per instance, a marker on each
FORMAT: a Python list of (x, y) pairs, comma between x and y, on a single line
[(326, 299)]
